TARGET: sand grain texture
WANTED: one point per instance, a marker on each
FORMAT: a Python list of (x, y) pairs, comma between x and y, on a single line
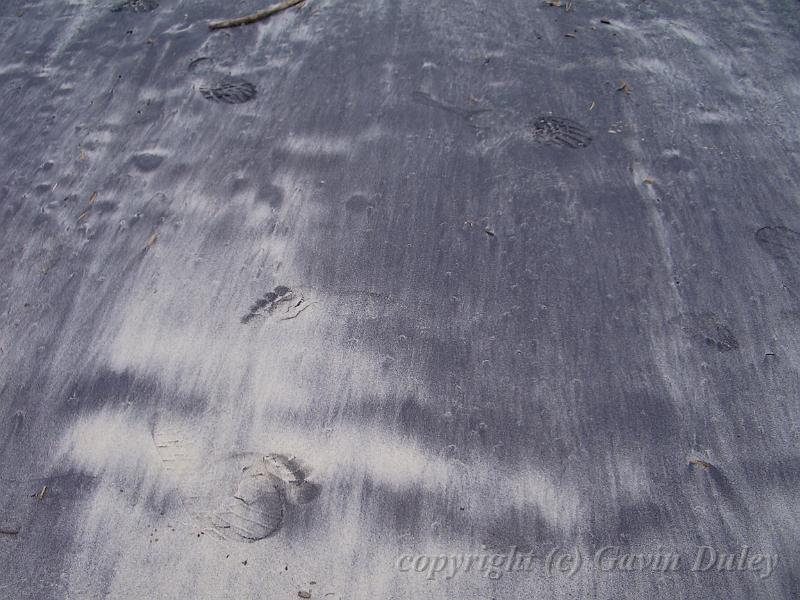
[(529, 300)]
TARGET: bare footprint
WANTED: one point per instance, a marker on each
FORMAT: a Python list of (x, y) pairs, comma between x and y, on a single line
[(283, 303), (237, 497)]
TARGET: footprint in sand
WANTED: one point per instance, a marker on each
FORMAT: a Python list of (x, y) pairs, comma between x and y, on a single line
[(229, 90), (239, 497), (283, 303)]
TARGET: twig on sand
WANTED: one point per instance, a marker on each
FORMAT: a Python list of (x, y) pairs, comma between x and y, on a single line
[(257, 16), (40, 494), (9, 531)]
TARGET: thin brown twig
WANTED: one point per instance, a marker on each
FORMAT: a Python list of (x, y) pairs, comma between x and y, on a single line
[(8, 532), (257, 16)]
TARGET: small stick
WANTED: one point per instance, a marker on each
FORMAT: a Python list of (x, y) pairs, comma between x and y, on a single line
[(40, 494), (258, 16), (8, 532)]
